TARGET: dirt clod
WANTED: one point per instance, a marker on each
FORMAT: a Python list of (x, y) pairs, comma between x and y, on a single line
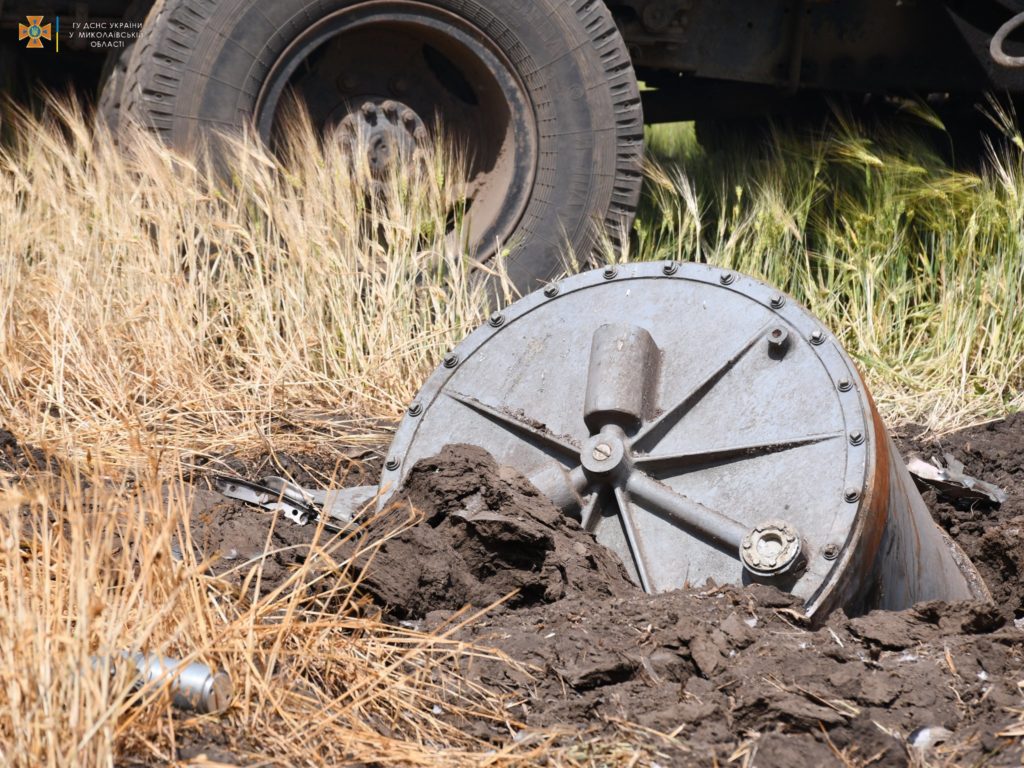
[(485, 533)]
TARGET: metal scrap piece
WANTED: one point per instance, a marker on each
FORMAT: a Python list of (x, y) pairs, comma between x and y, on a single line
[(300, 505), (951, 481)]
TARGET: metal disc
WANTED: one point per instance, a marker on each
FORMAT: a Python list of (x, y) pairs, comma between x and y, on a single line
[(699, 423)]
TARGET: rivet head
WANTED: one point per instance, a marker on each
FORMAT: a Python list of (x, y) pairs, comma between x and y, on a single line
[(496, 320), (551, 291), (851, 495), (856, 437), (610, 272), (415, 409), (818, 337), (451, 360), (845, 385), (778, 301), (830, 552), (670, 269), (727, 279), (392, 464)]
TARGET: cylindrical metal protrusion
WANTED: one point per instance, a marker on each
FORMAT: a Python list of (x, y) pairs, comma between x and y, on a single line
[(623, 371), (195, 687)]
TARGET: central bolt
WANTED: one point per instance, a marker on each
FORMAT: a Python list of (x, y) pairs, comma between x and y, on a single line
[(604, 454)]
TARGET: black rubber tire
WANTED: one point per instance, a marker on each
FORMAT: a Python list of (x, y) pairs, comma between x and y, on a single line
[(115, 70), (200, 65)]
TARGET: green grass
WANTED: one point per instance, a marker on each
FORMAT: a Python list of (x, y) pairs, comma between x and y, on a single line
[(917, 266)]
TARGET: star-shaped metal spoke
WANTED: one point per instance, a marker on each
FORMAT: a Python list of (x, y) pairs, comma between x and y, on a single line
[(618, 464)]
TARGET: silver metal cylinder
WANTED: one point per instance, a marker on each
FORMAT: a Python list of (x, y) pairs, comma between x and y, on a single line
[(195, 686)]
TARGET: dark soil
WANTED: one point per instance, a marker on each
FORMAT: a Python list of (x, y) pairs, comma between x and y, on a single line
[(726, 673), (724, 668), (993, 537)]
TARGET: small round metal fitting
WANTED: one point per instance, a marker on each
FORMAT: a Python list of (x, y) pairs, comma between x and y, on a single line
[(817, 337), (856, 437), (830, 552), (392, 464), (727, 279), (415, 409), (603, 454), (552, 290), (844, 385), (851, 495), (451, 360), (496, 320), (390, 108), (778, 341), (771, 549), (610, 272), (369, 109), (778, 301), (670, 269)]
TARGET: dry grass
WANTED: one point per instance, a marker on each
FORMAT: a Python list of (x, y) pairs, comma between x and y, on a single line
[(150, 315), (144, 305)]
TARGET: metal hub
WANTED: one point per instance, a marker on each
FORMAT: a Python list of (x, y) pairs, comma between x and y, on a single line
[(387, 130), (714, 431), (605, 454), (438, 71)]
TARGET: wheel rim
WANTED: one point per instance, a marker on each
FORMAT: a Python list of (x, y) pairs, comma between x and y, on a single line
[(395, 70)]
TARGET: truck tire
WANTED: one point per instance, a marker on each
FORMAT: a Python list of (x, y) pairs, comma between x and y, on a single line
[(541, 92), (115, 68)]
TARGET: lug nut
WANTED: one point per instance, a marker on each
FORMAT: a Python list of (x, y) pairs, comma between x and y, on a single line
[(415, 409), (845, 385), (451, 360), (610, 272), (496, 320), (392, 464), (856, 437), (851, 495), (670, 269), (727, 279), (390, 108), (369, 109), (830, 552), (551, 291), (818, 337), (778, 301)]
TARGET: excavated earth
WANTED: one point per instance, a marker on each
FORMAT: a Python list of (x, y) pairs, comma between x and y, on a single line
[(706, 675)]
